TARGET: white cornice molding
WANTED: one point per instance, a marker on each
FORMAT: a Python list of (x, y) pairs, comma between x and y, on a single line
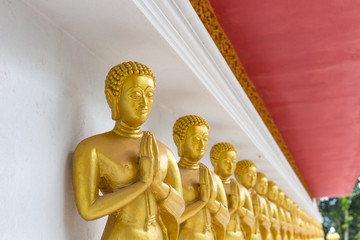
[(180, 26)]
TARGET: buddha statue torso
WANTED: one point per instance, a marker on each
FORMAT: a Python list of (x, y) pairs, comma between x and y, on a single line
[(199, 226), (119, 169), (233, 229), (283, 225), (275, 224), (295, 222)]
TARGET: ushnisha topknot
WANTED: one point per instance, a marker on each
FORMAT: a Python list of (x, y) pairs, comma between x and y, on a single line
[(261, 175), (119, 73), (182, 124), (272, 184), (218, 148)]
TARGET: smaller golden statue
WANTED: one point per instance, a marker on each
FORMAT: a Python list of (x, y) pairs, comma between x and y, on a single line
[(333, 236), (223, 158), (282, 215), (272, 196), (245, 174), (261, 206), (289, 223), (206, 214), (302, 224), (295, 221)]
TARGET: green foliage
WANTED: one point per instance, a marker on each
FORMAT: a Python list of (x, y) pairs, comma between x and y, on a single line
[(343, 213)]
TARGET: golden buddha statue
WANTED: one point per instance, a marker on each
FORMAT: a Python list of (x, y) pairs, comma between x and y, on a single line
[(206, 214), (333, 236), (288, 210), (136, 174), (261, 207), (295, 221), (245, 174), (223, 158), (282, 215), (303, 226), (272, 197)]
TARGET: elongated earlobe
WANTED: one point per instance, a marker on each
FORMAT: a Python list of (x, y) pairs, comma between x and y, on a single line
[(112, 101), (179, 145)]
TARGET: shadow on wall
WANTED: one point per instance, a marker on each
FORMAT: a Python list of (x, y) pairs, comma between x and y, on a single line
[(76, 228)]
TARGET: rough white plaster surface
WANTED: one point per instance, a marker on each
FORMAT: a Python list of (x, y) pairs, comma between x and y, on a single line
[(51, 98)]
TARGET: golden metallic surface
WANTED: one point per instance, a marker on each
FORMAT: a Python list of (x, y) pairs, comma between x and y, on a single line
[(295, 221), (288, 209), (282, 215), (206, 214), (333, 236), (261, 207), (136, 174), (245, 173), (207, 16), (272, 197), (223, 158)]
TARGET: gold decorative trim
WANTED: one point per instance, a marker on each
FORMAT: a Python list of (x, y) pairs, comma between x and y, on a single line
[(206, 13)]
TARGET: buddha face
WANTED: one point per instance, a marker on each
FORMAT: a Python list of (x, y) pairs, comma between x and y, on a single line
[(261, 185), (272, 193), (281, 198), (287, 203), (226, 163), (195, 143), (136, 100), (248, 179)]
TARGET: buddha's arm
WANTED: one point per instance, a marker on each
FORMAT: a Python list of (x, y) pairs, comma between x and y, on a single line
[(274, 219), (173, 201), (195, 207), (192, 209), (282, 219), (219, 206), (172, 179), (289, 222), (264, 217), (246, 212), (235, 199), (86, 175), (277, 216)]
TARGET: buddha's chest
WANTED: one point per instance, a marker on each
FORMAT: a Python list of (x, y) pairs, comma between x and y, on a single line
[(281, 214), (273, 209), (120, 168), (263, 204), (190, 183)]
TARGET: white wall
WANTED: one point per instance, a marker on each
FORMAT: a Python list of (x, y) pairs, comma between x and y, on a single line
[(51, 98)]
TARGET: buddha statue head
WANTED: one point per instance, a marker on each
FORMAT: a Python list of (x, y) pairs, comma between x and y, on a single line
[(272, 192), (223, 158), (191, 135), (129, 91), (288, 203), (261, 185), (281, 198), (245, 173), (294, 209)]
